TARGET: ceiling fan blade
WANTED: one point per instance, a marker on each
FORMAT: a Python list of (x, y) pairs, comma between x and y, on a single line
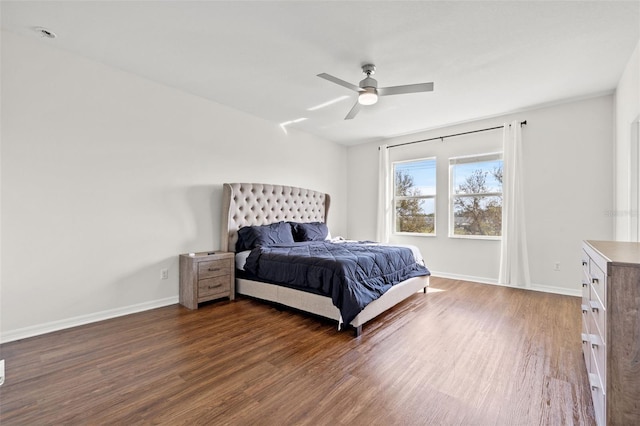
[(354, 111), (342, 83), (409, 88)]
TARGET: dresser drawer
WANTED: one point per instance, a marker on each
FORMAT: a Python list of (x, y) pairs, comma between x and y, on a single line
[(598, 396), (586, 342), (598, 365), (598, 281), (598, 314), (586, 288), (585, 262), (597, 345), (213, 268), (213, 286)]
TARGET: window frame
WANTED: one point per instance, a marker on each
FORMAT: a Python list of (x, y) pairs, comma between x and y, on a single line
[(466, 159), (394, 198)]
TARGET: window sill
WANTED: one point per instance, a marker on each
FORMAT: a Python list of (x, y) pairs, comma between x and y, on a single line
[(476, 237), (413, 234)]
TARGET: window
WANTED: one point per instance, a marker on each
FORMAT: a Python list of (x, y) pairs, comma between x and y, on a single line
[(414, 196), (476, 196)]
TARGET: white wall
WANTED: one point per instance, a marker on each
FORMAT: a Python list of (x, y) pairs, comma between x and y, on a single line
[(568, 181), (627, 104), (107, 177)]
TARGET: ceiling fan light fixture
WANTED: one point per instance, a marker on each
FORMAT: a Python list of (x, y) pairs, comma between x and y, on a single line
[(368, 96)]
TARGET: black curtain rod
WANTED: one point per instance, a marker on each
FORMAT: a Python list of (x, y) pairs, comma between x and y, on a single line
[(522, 123)]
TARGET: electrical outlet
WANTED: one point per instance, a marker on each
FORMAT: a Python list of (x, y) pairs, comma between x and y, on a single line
[(164, 274), (1, 372), (556, 266)]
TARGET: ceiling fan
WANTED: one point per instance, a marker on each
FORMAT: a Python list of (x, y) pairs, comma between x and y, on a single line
[(369, 91)]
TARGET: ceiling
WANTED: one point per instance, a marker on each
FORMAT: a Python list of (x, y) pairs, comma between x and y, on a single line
[(485, 58)]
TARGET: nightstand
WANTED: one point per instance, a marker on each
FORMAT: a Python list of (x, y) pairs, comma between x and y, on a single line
[(205, 276)]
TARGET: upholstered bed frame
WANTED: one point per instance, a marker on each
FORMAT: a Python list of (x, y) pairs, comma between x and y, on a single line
[(251, 204)]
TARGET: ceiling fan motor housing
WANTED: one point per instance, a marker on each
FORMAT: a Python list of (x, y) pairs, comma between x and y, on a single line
[(369, 82), (369, 70)]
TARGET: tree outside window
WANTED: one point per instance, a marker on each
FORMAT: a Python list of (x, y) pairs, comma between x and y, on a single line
[(476, 196), (414, 196)]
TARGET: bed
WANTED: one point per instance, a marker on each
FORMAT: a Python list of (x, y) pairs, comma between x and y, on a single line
[(264, 205)]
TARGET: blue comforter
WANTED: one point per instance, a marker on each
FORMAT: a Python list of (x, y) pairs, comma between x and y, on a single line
[(352, 274)]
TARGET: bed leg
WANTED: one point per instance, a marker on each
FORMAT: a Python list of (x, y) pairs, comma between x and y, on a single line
[(424, 290), (358, 330)]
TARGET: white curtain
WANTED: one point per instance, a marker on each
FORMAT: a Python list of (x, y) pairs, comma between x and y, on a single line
[(514, 260), (384, 195)]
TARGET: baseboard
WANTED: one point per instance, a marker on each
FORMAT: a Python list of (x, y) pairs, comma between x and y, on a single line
[(557, 290), (36, 330), (534, 287), (460, 277)]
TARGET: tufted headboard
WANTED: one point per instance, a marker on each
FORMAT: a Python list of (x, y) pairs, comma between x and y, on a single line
[(249, 204)]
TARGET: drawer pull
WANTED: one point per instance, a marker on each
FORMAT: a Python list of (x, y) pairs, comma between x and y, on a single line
[(594, 381), (585, 338), (211, 287), (214, 269), (584, 263), (594, 280), (585, 309), (584, 284), (594, 306)]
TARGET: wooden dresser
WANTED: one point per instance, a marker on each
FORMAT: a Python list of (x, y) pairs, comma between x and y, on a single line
[(611, 329), (205, 276)]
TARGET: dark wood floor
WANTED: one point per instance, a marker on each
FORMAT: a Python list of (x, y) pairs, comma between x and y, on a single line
[(462, 354)]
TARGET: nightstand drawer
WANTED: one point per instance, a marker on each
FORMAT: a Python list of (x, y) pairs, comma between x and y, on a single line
[(213, 268), (213, 286)]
